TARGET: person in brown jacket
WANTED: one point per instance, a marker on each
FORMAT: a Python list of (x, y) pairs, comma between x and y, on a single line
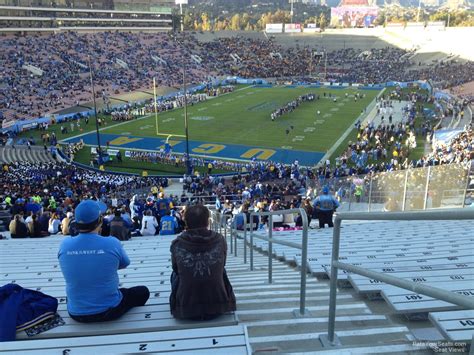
[(200, 287)]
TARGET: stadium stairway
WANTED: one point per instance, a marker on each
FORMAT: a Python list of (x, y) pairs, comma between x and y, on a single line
[(22, 153), (371, 316)]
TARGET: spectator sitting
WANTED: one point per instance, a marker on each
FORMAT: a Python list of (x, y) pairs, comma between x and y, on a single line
[(89, 263), (199, 283), (18, 228), (65, 223), (149, 224), (168, 224), (118, 228), (54, 223), (35, 228)]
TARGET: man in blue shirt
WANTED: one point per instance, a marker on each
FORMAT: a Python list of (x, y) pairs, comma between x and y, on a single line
[(325, 205), (168, 224), (89, 263)]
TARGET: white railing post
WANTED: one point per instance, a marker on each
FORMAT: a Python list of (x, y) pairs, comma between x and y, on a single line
[(425, 200), (405, 190)]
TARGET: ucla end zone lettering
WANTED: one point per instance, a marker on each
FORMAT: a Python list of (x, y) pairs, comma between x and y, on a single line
[(217, 150)]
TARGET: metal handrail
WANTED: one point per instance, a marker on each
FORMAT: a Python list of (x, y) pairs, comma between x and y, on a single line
[(303, 246), (447, 214)]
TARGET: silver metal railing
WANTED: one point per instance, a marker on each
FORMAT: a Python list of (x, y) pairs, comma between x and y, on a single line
[(303, 246), (452, 214)]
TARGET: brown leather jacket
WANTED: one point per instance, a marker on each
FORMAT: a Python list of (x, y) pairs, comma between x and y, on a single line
[(200, 287)]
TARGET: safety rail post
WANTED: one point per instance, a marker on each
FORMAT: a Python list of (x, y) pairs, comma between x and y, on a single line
[(270, 248), (425, 200), (333, 281), (304, 263), (251, 246), (245, 238), (405, 190), (330, 339), (235, 238), (231, 244), (369, 204), (303, 247)]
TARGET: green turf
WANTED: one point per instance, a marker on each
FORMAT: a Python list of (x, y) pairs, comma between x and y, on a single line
[(243, 117)]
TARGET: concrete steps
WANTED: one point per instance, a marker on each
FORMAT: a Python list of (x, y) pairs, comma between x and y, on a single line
[(271, 313), (22, 153)]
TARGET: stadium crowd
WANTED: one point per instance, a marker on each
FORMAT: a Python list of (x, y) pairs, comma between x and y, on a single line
[(47, 73)]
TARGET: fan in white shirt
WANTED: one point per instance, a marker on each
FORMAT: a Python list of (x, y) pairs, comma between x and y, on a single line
[(149, 224)]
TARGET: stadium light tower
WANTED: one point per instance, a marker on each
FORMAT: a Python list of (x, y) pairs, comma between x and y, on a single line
[(99, 149), (181, 3)]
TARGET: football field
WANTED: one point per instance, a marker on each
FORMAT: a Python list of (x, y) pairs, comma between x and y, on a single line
[(238, 125)]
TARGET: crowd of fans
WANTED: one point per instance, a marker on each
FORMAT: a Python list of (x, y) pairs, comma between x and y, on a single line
[(126, 62)]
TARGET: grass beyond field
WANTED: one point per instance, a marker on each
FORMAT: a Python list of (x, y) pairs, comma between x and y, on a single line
[(243, 118)]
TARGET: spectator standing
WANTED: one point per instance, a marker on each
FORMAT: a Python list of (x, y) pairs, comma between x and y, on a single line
[(326, 204)]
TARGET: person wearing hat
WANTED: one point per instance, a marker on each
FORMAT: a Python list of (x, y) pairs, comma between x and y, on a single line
[(325, 204), (89, 263)]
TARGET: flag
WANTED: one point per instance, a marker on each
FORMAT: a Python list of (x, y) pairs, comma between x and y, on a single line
[(218, 204)]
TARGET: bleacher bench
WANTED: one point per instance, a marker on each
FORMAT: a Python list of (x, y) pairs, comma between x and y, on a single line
[(454, 325), (222, 340)]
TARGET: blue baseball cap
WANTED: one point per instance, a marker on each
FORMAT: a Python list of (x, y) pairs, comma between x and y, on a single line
[(87, 211), (325, 190)]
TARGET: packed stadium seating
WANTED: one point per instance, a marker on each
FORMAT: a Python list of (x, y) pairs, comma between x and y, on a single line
[(61, 63)]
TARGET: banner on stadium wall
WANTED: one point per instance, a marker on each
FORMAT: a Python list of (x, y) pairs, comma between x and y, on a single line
[(436, 24), (112, 152), (354, 16), (7, 124), (292, 27), (415, 24), (274, 28), (394, 24), (311, 28)]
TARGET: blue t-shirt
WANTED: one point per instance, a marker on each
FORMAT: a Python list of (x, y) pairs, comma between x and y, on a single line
[(168, 225), (89, 264)]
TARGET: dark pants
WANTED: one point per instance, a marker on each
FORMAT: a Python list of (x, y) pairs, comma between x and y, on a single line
[(325, 217), (132, 297)]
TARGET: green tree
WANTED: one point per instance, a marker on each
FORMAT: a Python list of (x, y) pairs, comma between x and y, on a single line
[(235, 22), (206, 22)]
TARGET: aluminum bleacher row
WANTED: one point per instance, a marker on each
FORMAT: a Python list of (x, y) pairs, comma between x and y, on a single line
[(22, 153), (436, 253), (33, 264)]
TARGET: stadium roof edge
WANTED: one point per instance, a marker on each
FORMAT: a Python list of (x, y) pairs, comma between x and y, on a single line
[(54, 9)]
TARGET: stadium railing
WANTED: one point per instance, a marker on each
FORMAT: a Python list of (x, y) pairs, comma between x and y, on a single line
[(432, 187), (331, 340), (250, 226)]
